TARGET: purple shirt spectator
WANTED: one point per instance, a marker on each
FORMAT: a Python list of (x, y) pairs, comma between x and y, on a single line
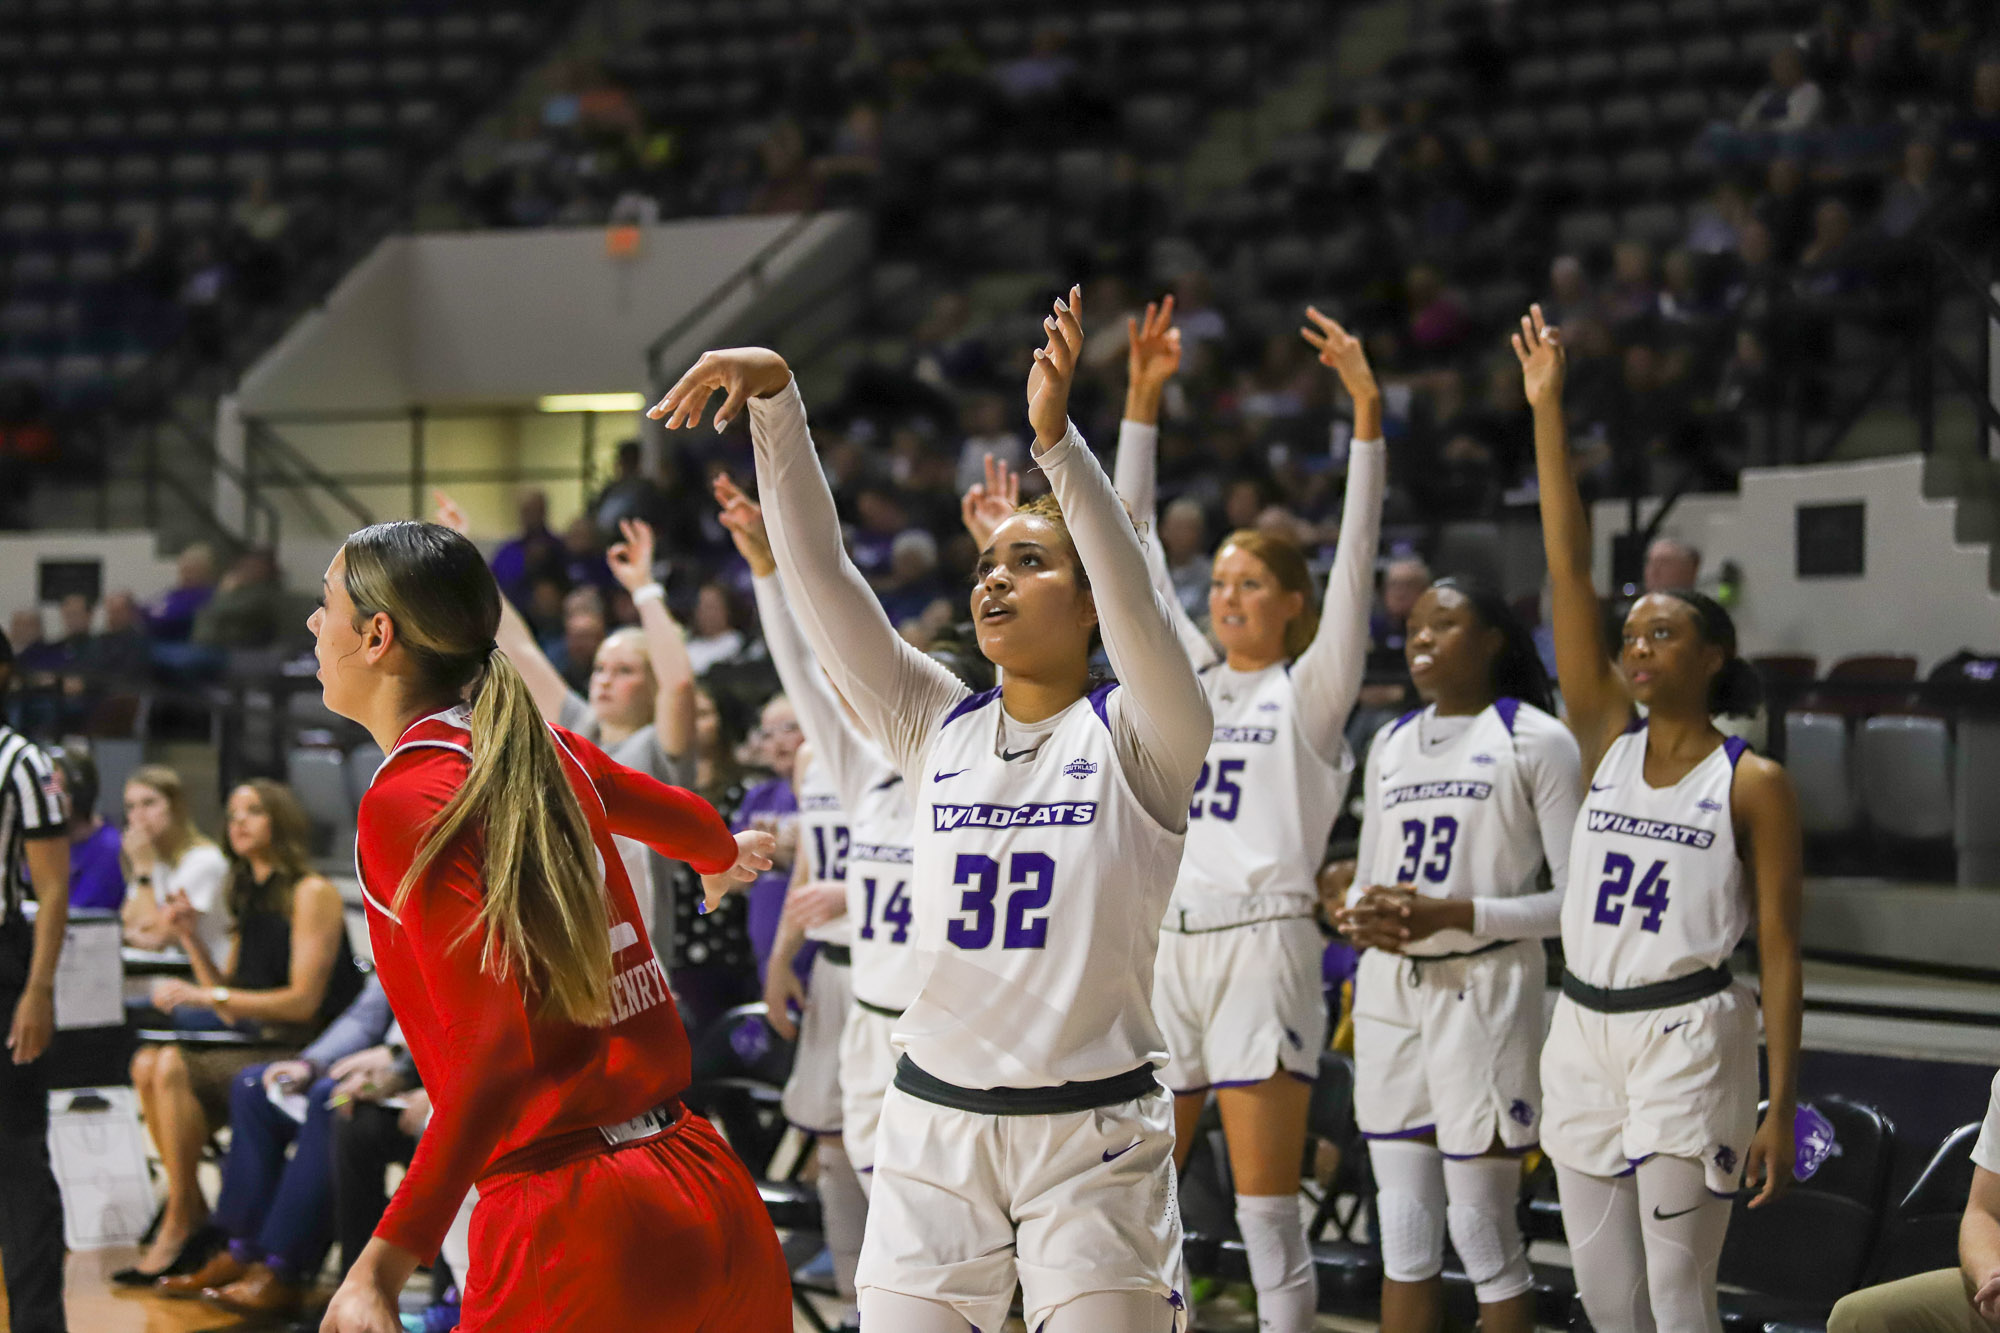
[(170, 616), (95, 877), (535, 553), (774, 802)]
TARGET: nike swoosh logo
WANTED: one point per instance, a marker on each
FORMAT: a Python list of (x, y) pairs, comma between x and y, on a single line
[(1606, 787), (1659, 1216), (940, 777), (1672, 1026), (1009, 756), (1114, 1156)]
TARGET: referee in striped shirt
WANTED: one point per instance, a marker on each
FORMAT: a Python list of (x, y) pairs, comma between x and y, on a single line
[(34, 859)]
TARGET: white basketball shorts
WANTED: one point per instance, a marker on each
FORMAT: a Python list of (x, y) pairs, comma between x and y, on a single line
[(1240, 1005), (812, 1093), (867, 1065)]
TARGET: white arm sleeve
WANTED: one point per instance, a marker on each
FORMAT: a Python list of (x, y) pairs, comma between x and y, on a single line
[(1327, 676), (900, 694), (1160, 720), (1371, 820), (1134, 470), (834, 738), (1555, 770)]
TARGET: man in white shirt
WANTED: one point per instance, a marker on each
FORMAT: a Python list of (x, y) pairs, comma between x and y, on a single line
[(1965, 1299)]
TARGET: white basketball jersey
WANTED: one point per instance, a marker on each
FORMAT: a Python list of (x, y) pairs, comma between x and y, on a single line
[(823, 840), (880, 908), (1262, 808), (1040, 887), (1458, 819), (1656, 890)]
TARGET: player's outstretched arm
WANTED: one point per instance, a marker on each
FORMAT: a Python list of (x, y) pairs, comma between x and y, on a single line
[(631, 563), (1593, 694)]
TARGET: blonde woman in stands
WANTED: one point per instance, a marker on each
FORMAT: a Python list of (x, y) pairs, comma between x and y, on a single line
[(166, 856), (1238, 984), (640, 709), (1026, 1141), (1649, 1074)]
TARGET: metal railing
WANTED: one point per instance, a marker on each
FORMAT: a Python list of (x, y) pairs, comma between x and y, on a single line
[(750, 273)]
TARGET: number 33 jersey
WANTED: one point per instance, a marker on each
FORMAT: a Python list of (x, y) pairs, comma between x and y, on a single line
[(1656, 888), (1262, 807), (1040, 884), (1452, 807)]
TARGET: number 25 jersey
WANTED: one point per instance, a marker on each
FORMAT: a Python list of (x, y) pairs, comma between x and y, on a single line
[(1656, 889), (1040, 885)]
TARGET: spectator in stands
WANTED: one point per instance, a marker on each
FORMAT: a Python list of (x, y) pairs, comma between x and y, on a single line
[(789, 184), (96, 878), (1972, 138), (532, 553), (119, 658), (1789, 104), (1832, 263), (583, 557), (585, 626), (203, 291), (912, 585), (1671, 564), (716, 637), (258, 221), (166, 859), (772, 806), (1915, 191), (1633, 296), (852, 164), (1040, 75), (1947, 1300), (987, 434), (249, 608), (1184, 542), (370, 1136), (629, 494), (1716, 224), (1388, 689), (1361, 151), (278, 1213), (1195, 314), (286, 973), (170, 616)]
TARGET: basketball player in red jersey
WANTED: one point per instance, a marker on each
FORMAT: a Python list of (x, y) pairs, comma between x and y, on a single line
[(508, 938)]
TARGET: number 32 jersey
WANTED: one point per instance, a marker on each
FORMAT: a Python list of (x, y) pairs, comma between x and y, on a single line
[(1040, 885), (1657, 889)]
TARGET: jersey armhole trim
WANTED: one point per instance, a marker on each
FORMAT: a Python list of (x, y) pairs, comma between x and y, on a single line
[(1508, 708), (1734, 747), (1100, 698), (1410, 716), (969, 704)]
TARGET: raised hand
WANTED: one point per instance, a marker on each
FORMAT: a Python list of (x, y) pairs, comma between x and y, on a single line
[(447, 514), (742, 373), (744, 518), (631, 560), (1153, 345), (989, 503), (754, 850), (1055, 370), (1538, 347)]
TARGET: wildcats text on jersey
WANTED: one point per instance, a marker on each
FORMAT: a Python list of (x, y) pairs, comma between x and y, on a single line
[(1610, 821), (1246, 735), (1437, 791), (880, 852), (818, 801), (946, 818)]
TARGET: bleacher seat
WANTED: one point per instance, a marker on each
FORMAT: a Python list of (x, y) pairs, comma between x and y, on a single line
[(1800, 1254), (1904, 766), (1922, 1233), (1976, 808), (318, 778), (1816, 756), (1868, 684)]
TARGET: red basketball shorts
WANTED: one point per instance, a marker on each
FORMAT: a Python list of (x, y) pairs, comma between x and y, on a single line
[(664, 1235)]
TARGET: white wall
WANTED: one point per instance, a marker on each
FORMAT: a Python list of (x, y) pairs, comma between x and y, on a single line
[(1922, 591), (131, 560)]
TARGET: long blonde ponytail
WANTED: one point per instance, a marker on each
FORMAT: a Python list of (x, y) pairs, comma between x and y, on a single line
[(544, 914)]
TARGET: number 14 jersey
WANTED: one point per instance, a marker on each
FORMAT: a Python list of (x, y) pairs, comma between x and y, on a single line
[(1658, 889)]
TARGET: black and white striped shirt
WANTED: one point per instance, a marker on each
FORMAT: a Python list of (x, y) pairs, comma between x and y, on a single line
[(31, 806)]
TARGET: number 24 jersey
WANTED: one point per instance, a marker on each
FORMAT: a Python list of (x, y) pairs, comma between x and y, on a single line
[(1656, 887)]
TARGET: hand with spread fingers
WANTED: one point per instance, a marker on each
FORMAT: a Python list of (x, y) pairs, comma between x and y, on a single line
[(1055, 371), (740, 373), (989, 503), (631, 560), (447, 514), (1343, 353), (1539, 348), (1152, 356)]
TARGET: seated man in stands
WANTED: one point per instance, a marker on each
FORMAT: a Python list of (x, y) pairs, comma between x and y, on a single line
[(1965, 1299), (278, 1214)]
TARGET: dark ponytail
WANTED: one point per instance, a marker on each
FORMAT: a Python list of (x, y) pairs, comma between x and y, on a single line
[(1518, 672), (1737, 690)]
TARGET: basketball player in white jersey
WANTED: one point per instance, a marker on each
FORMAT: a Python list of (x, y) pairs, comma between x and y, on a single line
[(884, 973), (1467, 800), (816, 905), (1026, 1139), (1238, 991), (1649, 1076)]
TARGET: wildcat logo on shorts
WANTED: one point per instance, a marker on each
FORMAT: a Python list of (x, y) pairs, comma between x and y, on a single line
[(949, 818), (1080, 768), (1520, 1112), (1725, 1159)]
